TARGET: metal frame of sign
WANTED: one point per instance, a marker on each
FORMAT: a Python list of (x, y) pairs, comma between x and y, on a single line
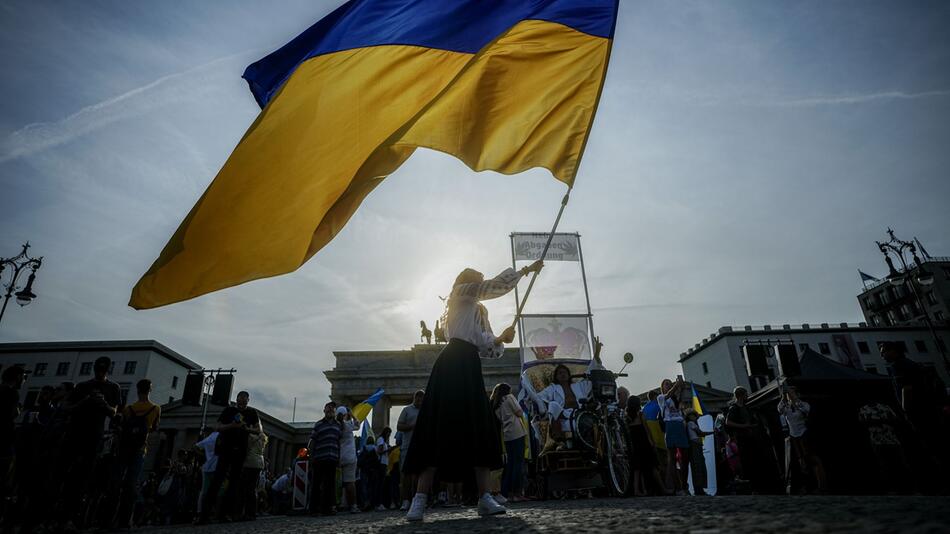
[(589, 314)]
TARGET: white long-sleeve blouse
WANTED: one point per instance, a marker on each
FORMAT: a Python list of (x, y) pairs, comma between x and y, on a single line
[(467, 318)]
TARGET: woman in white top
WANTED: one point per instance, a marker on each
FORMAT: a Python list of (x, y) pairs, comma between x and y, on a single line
[(510, 415), (456, 429)]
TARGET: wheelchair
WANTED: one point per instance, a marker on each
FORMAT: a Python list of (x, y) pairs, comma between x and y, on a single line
[(594, 456)]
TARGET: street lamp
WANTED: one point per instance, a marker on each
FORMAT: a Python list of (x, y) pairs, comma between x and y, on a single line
[(898, 248), (19, 263)]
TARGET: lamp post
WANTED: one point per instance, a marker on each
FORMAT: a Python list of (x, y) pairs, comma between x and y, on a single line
[(19, 264), (898, 248)]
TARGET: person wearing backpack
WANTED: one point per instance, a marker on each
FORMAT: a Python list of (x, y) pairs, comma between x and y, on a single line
[(138, 420)]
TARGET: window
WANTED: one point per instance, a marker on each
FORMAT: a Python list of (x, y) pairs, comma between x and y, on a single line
[(129, 368), (705, 369), (62, 369), (891, 317), (171, 399), (39, 369), (876, 320), (931, 298), (881, 298), (112, 368), (824, 348), (920, 345), (803, 347), (863, 347), (85, 368), (906, 311), (174, 382), (125, 394), (871, 369), (938, 315), (902, 345)]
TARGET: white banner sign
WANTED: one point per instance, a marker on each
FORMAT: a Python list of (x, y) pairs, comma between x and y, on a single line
[(556, 336), (564, 247)]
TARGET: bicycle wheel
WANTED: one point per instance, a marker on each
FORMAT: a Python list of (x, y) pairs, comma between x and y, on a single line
[(618, 458), (583, 424)]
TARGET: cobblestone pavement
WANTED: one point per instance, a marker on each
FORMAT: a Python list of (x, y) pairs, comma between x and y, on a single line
[(657, 514)]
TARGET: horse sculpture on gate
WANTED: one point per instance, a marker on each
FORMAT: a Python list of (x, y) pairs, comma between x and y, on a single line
[(426, 333)]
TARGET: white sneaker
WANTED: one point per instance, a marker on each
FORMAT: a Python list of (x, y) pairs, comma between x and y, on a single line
[(418, 508), (380, 508), (405, 506), (500, 499), (488, 506), (354, 509)]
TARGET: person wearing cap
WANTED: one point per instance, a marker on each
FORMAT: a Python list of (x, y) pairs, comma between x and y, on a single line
[(348, 425)]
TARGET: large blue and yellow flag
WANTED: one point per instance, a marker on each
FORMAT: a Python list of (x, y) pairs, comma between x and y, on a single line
[(504, 85)]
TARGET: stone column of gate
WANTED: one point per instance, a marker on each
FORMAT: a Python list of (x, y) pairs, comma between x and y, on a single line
[(381, 415)]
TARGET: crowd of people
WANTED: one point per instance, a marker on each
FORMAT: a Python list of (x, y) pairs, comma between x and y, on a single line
[(76, 458), (61, 467)]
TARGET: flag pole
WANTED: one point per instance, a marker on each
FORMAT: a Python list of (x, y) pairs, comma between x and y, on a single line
[(544, 253)]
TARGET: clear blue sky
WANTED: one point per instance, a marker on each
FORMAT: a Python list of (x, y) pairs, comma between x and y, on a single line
[(745, 157)]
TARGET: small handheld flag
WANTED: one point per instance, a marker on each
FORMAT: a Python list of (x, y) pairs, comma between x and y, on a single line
[(697, 404), (361, 410)]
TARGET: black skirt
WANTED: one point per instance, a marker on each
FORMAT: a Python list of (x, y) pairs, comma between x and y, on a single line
[(455, 430)]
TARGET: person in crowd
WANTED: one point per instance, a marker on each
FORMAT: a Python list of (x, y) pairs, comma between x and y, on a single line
[(406, 424), (697, 460), (12, 380), (753, 445), (558, 401), (643, 462), (456, 431), (235, 423), (379, 483), (324, 447), (251, 474), (280, 492), (348, 425), (32, 454), (367, 463), (393, 470), (793, 413), (675, 436), (881, 423), (623, 394), (96, 402), (510, 417), (138, 420), (922, 396), (209, 466)]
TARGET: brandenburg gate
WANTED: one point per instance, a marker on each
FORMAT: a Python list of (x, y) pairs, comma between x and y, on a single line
[(401, 373)]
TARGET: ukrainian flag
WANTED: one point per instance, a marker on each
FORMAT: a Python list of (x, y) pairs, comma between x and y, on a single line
[(697, 404), (361, 410), (504, 85)]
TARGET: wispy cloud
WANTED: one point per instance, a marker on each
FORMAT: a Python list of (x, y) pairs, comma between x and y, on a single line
[(858, 98), (191, 84)]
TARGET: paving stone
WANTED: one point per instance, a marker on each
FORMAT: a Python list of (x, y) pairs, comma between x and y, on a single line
[(698, 515)]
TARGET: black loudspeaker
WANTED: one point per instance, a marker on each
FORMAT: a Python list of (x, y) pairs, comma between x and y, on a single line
[(756, 359), (193, 386), (222, 389), (788, 363)]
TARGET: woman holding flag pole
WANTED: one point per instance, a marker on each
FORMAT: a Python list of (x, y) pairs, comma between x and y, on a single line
[(456, 429)]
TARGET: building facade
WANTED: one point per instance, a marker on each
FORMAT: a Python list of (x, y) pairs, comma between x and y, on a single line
[(719, 361), (886, 304), (52, 363)]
